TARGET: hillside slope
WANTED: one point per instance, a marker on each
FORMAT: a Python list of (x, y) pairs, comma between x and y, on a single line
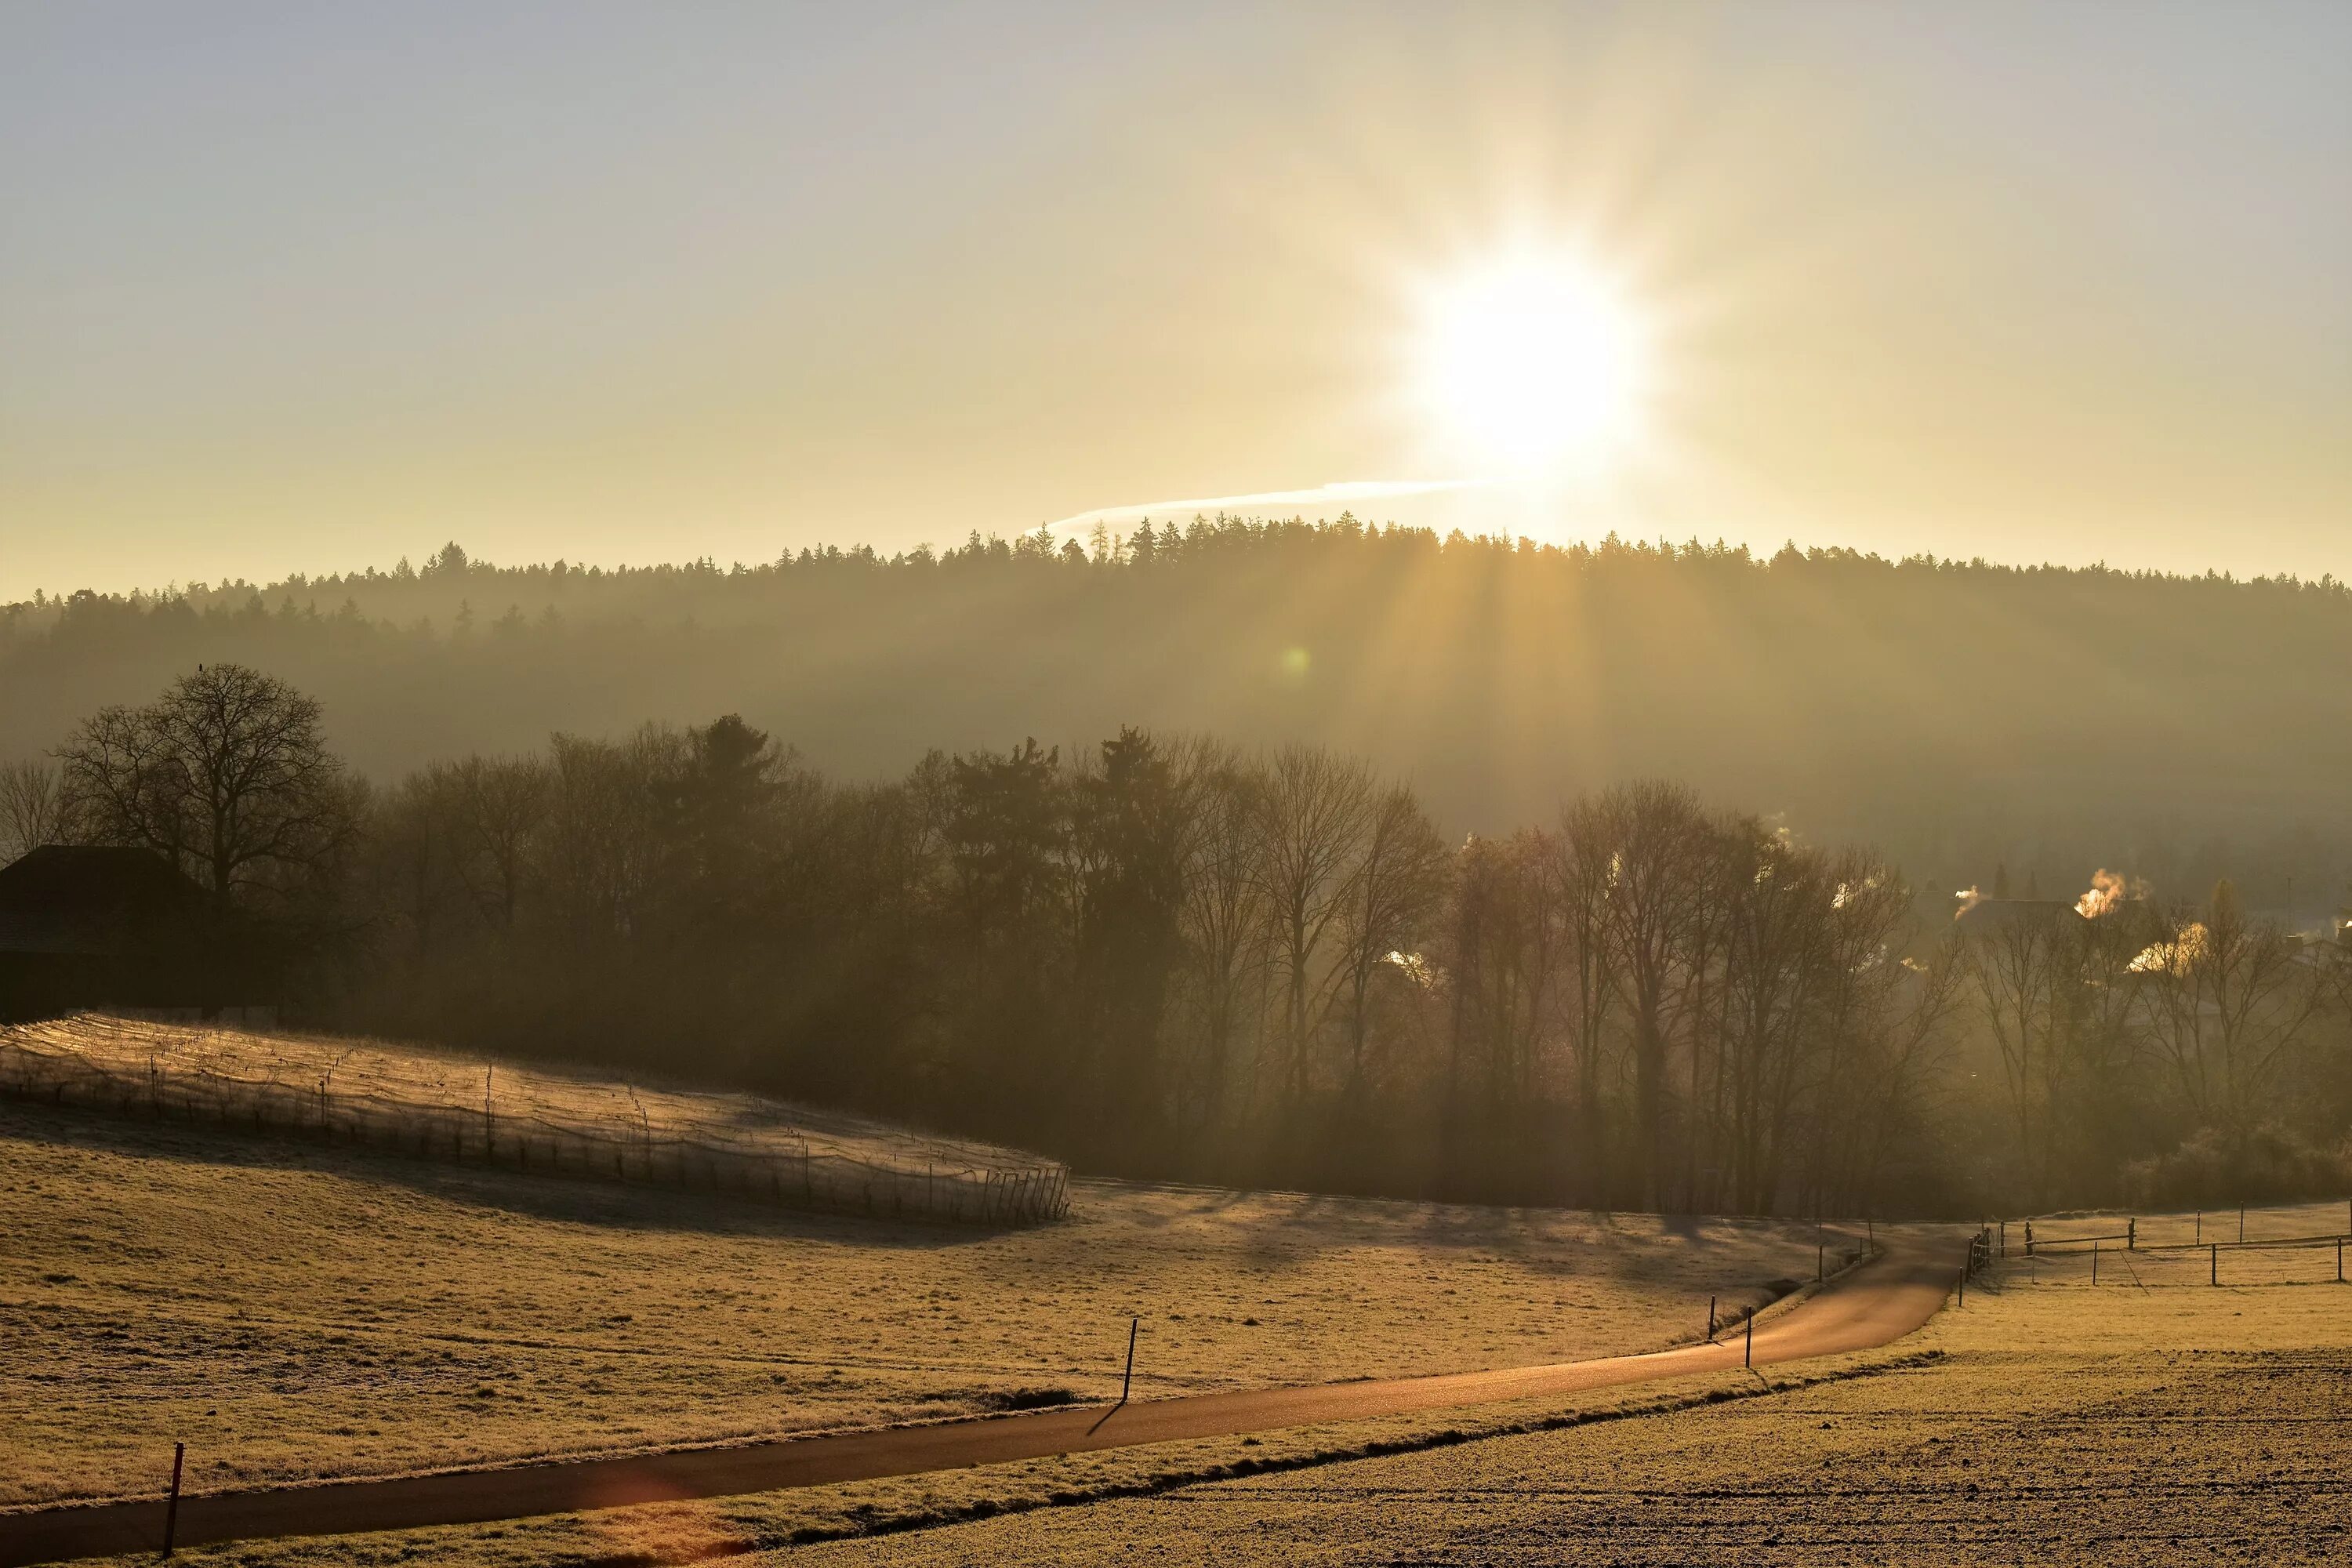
[(1956, 713)]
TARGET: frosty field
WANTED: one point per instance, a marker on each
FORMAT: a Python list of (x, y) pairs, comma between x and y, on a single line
[(294, 1311), (2062, 1424)]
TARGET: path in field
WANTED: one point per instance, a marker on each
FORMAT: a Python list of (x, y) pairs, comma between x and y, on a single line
[(1880, 1301)]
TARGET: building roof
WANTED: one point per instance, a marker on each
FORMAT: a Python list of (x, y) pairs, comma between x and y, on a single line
[(92, 899), (1996, 915)]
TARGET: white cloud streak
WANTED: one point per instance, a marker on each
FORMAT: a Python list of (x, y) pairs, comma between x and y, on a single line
[(1341, 493)]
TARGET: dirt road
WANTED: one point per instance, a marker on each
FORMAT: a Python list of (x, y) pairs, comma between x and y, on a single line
[(1878, 1302)]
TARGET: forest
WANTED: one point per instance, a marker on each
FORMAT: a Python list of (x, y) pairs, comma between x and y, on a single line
[(1959, 715), (1169, 954)]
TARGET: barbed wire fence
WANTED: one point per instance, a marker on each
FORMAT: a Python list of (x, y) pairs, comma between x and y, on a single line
[(485, 1113)]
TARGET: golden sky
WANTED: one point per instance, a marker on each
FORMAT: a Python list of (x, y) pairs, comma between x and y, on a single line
[(295, 288)]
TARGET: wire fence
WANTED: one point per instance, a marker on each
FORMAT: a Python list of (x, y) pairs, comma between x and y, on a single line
[(2293, 1244), (431, 1106)]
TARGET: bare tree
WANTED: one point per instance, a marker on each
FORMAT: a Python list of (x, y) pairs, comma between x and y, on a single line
[(229, 773), (1654, 828), (32, 807), (501, 806), (1584, 851), (2022, 961), (604, 828), (1394, 887), (1780, 906), (2225, 1000), (1313, 809), (1223, 917), (1880, 1022), (413, 858)]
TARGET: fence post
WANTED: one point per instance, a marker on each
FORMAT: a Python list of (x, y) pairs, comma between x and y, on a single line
[(2241, 1222), (171, 1508), (1964, 1284), (2094, 1262), (1710, 1301), (2214, 1260), (2131, 1234), (2201, 1226), (1128, 1382)]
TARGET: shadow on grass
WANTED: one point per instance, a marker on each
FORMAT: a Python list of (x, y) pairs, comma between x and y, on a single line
[(576, 1200)]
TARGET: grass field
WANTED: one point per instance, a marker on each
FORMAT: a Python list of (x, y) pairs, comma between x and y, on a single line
[(2050, 1422), (2062, 1424), (413, 1098), (293, 1311)]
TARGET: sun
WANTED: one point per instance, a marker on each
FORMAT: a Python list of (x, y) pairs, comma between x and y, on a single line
[(1531, 363)]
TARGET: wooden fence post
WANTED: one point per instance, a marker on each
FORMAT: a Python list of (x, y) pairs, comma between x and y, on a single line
[(1710, 1301), (2214, 1260), (171, 1508), (1128, 1382)]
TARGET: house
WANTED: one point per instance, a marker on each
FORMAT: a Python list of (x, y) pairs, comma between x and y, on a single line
[(1982, 916), (99, 926)]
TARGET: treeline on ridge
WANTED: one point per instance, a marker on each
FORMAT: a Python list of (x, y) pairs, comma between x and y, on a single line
[(1955, 713)]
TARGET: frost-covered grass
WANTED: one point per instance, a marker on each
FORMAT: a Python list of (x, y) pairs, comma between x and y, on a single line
[(293, 1311), (2051, 1424)]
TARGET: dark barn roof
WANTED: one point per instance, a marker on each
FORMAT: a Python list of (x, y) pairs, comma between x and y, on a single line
[(91, 926), (93, 900)]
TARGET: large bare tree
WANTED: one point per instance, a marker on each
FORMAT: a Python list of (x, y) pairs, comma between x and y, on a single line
[(228, 772)]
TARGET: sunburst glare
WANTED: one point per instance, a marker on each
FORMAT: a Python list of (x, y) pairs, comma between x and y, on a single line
[(1531, 363)]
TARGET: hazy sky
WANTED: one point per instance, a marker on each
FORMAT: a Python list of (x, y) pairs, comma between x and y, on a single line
[(312, 287)]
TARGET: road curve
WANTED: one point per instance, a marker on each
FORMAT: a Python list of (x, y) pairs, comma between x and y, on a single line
[(1873, 1305)]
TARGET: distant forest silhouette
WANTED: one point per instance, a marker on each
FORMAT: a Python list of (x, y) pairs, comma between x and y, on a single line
[(1167, 956), (1956, 714)]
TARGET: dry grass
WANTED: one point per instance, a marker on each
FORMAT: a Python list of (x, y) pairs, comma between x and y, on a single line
[(2058, 1426), (899, 1508), (2018, 1430), (293, 1311), (508, 1094)]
